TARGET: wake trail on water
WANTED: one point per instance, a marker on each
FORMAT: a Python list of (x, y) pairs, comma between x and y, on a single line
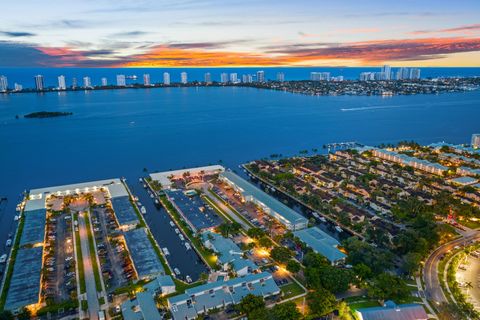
[(369, 108)]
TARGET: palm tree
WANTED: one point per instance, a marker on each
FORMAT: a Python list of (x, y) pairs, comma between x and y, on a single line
[(468, 285)]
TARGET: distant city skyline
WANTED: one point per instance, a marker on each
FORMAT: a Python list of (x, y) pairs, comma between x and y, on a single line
[(213, 33)]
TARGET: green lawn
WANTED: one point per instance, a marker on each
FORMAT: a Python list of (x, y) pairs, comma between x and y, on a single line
[(364, 303), (291, 290), (471, 224)]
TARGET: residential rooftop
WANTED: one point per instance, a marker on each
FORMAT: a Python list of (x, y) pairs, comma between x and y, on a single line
[(321, 243), (34, 227), (199, 300), (24, 287), (124, 211), (227, 251), (194, 210), (145, 259), (143, 307), (37, 196), (392, 311), (282, 212)]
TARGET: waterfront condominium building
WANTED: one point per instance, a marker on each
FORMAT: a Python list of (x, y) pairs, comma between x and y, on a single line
[(39, 86), (3, 84), (261, 76), (18, 87), (62, 84), (183, 77), (414, 73), (104, 82), (121, 82), (74, 83), (387, 71), (233, 77), (208, 78), (146, 79), (367, 76), (476, 140), (320, 76), (87, 82), (166, 78), (224, 77), (248, 78), (280, 76)]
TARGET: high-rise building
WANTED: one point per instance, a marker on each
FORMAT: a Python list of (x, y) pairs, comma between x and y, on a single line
[(104, 82), (261, 76), (224, 77), (387, 71), (87, 82), (414, 73), (18, 87), (74, 83), (408, 74), (476, 140), (166, 78), (233, 77), (367, 76), (320, 76), (183, 77), (280, 76), (146, 79), (62, 84), (337, 79), (208, 78), (121, 82), (39, 82), (3, 84)]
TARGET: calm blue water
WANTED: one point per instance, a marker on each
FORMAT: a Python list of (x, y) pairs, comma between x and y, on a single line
[(120, 132), (25, 76)]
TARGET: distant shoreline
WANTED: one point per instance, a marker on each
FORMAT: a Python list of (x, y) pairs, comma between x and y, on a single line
[(314, 88)]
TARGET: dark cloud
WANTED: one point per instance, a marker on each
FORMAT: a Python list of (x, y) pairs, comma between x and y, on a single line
[(130, 34), (382, 50), (207, 45), (465, 29), (17, 34)]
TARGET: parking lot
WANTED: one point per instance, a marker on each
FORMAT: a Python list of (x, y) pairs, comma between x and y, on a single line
[(248, 210), (59, 278), (115, 263)]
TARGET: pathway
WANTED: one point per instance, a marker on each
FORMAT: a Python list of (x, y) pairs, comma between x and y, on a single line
[(92, 298)]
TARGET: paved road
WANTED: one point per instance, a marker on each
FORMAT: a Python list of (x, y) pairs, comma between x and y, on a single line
[(433, 290), (92, 298)]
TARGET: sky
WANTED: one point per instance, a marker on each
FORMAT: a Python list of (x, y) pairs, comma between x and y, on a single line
[(197, 33)]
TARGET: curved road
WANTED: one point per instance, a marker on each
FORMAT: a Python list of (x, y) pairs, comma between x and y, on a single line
[(433, 289)]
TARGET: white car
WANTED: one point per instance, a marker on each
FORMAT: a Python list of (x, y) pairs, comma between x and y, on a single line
[(3, 258), (177, 272)]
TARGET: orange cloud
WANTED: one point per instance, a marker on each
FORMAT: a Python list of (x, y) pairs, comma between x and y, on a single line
[(363, 53), (173, 56), (298, 54)]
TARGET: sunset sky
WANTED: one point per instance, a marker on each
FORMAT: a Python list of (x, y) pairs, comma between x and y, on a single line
[(107, 33)]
